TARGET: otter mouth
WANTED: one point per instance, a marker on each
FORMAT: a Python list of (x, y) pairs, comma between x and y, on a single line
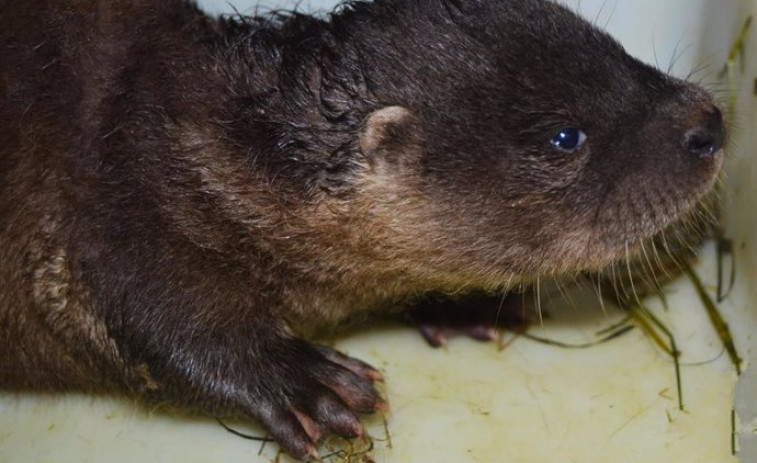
[(676, 229)]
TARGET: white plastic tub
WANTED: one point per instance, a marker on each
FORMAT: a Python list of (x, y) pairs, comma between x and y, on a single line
[(530, 402)]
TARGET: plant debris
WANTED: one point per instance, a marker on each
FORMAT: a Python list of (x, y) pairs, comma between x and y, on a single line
[(736, 56), (725, 250), (551, 342), (650, 324), (724, 332)]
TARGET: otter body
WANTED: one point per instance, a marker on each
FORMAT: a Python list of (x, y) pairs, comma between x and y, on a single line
[(183, 199)]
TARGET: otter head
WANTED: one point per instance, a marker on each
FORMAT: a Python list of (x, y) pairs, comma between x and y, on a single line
[(509, 138)]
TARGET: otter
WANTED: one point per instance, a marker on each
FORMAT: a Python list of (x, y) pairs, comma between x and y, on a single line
[(186, 200)]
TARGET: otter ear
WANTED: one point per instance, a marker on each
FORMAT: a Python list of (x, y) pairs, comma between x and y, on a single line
[(390, 133)]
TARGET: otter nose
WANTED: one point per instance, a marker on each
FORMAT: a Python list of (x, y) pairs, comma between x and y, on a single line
[(707, 139)]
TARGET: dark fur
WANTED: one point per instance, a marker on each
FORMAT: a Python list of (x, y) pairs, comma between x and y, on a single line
[(182, 197)]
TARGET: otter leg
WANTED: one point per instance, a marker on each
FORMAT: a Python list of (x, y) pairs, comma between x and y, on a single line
[(480, 317), (299, 391), (192, 332)]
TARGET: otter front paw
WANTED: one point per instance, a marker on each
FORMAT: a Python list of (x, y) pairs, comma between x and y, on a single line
[(315, 392)]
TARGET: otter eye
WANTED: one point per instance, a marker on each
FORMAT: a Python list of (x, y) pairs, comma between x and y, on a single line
[(569, 139)]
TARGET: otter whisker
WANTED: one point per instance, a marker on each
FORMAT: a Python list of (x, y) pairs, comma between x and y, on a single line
[(537, 295), (658, 260), (564, 293), (649, 267), (600, 297), (617, 282), (611, 15), (677, 54), (499, 308), (630, 275)]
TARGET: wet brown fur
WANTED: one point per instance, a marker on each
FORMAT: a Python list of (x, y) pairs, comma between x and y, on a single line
[(181, 197)]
